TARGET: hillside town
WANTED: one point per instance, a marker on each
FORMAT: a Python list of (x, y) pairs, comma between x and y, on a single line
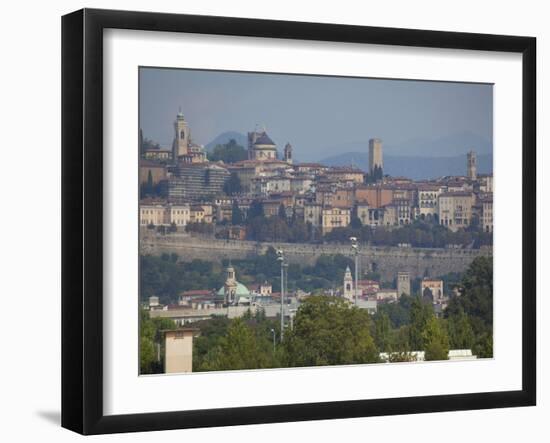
[(181, 187), (259, 193)]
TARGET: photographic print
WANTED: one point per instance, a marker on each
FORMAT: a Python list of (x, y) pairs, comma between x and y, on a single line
[(291, 220)]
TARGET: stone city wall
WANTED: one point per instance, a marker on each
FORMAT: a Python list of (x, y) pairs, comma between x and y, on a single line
[(387, 261)]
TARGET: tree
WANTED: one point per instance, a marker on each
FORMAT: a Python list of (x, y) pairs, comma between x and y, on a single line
[(230, 152), (151, 342), (427, 295), (436, 340), (146, 144), (476, 301), (256, 210), (398, 313), (421, 313), (148, 187), (237, 216), (400, 347), (383, 333), (282, 212), (461, 334), (240, 348), (355, 222), (232, 186), (329, 331)]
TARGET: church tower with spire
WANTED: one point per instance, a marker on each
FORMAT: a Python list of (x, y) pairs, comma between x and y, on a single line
[(230, 286), (348, 285)]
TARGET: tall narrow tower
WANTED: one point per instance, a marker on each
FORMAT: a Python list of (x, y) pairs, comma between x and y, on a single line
[(472, 165), (182, 137), (288, 153), (230, 286), (403, 283), (375, 154), (348, 285)]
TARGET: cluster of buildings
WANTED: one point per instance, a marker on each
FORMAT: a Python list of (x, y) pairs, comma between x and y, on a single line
[(235, 299), (431, 290), (326, 197)]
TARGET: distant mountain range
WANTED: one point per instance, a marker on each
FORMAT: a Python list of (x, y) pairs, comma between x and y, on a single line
[(417, 168), (441, 156), (448, 146)]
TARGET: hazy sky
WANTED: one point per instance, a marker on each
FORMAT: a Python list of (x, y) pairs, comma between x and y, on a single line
[(312, 113)]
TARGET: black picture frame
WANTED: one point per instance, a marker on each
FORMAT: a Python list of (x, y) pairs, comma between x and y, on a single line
[(82, 215)]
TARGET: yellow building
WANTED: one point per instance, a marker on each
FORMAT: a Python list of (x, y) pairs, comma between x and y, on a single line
[(486, 218), (161, 154), (153, 214), (179, 214), (455, 209), (335, 218), (178, 355), (428, 201), (159, 214), (345, 173), (197, 213)]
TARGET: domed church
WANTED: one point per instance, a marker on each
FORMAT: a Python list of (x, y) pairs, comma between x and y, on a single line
[(233, 292), (261, 147)]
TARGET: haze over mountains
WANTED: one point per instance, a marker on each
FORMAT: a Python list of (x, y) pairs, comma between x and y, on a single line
[(435, 158), (417, 168)]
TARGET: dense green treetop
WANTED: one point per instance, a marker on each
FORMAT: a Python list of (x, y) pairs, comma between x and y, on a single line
[(330, 331), (231, 152)]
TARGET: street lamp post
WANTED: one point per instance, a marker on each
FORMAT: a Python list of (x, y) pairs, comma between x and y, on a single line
[(355, 250), (273, 333), (281, 258)]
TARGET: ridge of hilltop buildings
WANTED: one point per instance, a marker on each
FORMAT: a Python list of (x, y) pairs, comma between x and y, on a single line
[(188, 188)]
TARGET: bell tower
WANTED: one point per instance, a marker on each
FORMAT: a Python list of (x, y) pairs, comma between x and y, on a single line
[(182, 137), (348, 285), (472, 165), (230, 286), (288, 153)]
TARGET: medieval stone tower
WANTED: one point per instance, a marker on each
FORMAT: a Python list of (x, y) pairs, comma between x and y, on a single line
[(348, 285), (472, 165), (182, 137), (403, 283), (375, 154)]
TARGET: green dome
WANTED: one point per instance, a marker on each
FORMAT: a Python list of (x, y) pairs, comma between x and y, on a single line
[(241, 291)]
